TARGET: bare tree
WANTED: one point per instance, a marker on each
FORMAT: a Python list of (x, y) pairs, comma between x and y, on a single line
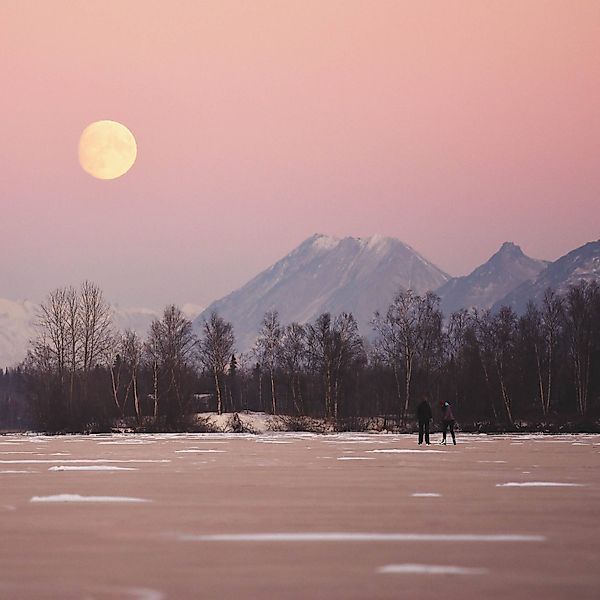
[(552, 322), (216, 347), (171, 345), (132, 347), (75, 326), (540, 328), (126, 354), (504, 332), (95, 328), (95, 325), (52, 330), (268, 347), (333, 346), (579, 311), (291, 357), (409, 332)]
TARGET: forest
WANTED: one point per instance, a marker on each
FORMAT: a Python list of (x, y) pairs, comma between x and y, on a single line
[(500, 371)]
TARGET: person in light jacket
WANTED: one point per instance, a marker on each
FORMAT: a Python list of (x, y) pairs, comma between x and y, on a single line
[(448, 422)]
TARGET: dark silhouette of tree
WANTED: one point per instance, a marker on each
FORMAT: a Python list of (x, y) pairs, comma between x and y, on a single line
[(216, 347)]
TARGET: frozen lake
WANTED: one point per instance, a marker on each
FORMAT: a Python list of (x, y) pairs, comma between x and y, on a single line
[(299, 516)]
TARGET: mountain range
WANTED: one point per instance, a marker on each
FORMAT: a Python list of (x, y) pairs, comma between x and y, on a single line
[(581, 264), (358, 275), (361, 275), (327, 274), (501, 274)]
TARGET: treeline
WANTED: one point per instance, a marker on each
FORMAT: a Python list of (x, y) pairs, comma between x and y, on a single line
[(499, 370)]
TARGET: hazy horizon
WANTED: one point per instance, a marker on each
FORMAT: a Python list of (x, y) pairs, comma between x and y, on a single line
[(453, 128), (191, 307)]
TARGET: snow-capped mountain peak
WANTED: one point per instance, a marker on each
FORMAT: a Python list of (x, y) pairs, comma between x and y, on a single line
[(328, 274), (583, 263), (503, 272)]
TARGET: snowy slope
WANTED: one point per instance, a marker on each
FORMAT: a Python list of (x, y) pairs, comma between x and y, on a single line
[(583, 263), (16, 329), (502, 273), (325, 273)]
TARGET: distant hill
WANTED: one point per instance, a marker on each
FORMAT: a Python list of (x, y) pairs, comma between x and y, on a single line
[(583, 263), (16, 329), (327, 274), (502, 273)]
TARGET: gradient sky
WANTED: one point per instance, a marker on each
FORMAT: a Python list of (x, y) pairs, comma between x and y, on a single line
[(451, 125)]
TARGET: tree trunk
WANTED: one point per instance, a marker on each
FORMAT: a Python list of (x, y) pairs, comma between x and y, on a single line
[(504, 393), (155, 389), (218, 389), (115, 385), (549, 388), (540, 380), (407, 382), (398, 391), (273, 398), (486, 376), (136, 400)]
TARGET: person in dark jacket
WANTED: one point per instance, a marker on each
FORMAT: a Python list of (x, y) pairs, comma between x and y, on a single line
[(424, 415), (448, 422)]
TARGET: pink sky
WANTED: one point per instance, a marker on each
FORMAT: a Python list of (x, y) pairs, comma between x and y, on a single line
[(451, 125)]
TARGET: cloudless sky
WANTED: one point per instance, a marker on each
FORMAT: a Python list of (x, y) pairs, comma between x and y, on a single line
[(453, 126)]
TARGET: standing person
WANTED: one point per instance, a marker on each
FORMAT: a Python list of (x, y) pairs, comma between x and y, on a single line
[(424, 415), (448, 422)]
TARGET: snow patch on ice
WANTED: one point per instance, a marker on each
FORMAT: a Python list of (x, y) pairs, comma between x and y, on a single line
[(199, 451), (145, 594), (134, 592), (538, 484), (402, 451), (415, 569), (82, 461), (358, 537), (126, 443), (426, 495), (90, 468), (77, 498), (356, 458), (13, 472)]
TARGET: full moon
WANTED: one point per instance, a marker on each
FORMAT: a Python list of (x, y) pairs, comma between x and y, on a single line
[(107, 149)]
